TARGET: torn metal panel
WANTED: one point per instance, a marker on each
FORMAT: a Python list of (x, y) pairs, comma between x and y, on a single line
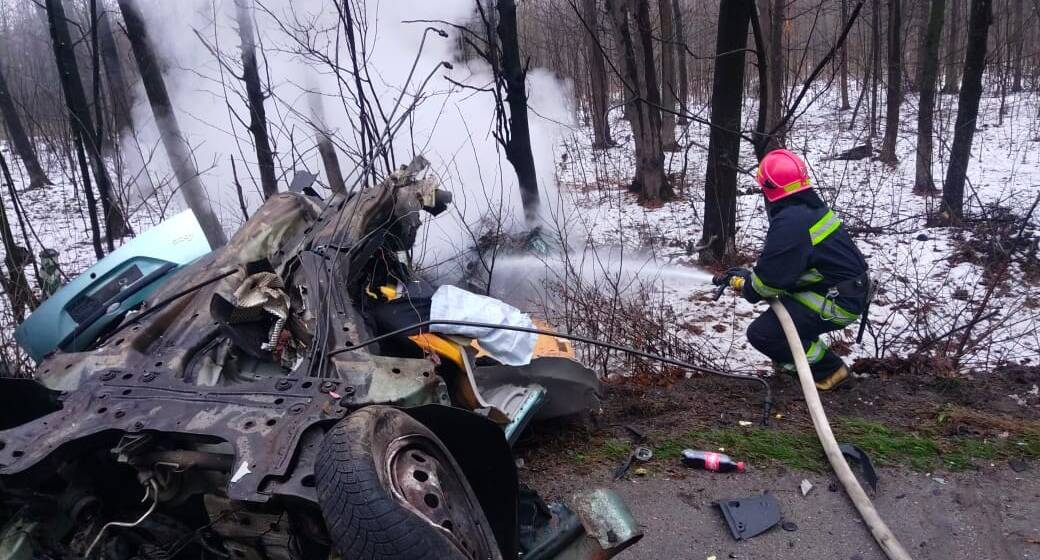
[(571, 388)]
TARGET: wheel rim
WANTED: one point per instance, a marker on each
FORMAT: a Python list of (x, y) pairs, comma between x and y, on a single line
[(426, 481)]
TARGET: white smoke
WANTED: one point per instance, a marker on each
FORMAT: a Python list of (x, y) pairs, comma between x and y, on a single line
[(451, 127)]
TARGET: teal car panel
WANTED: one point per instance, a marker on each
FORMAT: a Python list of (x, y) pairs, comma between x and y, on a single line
[(75, 315)]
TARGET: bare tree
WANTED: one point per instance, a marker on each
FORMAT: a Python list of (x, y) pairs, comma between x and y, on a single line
[(598, 84), (967, 109), (642, 97), (720, 183), (923, 181), (954, 57), (775, 51), (118, 89), (1018, 43), (680, 60), (255, 98), (176, 145), (16, 132), (669, 97), (843, 65), (894, 96), (81, 120), (518, 142), (330, 161), (875, 68), (16, 258)]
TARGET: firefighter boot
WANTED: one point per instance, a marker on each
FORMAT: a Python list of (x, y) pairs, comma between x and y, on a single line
[(832, 380)]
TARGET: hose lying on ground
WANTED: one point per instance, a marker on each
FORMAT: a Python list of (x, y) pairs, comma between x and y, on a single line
[(885, 539)]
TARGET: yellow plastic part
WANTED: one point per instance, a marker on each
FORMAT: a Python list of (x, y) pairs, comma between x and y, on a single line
[(737, 283), (443, 347)]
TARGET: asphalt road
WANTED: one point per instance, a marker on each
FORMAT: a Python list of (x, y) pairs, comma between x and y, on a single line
[(990, 514)]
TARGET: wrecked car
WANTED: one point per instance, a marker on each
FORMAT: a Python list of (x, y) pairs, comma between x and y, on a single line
[(268, 400)]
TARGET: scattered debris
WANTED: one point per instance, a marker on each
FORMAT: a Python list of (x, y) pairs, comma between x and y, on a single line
[(748, 517), (640, 454), (806, 487), (744, 423), (860, 457), (1018, 465), (789, 526), (852, 154), (636, 434), (641, 471), (711, 461), (939, 479)]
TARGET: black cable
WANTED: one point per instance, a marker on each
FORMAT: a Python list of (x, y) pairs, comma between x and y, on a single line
[(767, 403)]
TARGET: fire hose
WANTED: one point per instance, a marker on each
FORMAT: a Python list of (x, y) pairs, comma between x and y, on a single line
[(735, 278), (884, 537)]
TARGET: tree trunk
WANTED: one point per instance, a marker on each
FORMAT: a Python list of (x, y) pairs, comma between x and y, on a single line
[(79, 113), (875, 68), (954, 57), (16, 258), (88, 193), (177, 149), (518, 146), (680, 61), (16, 132), (669, 99), (330, 160), (843, 65), (894, 96), (777, 19), (720, 183), (642, 99), (967, 109), (122, 108), (597, 78), (255, 96), (1018, 44), (923, 180)]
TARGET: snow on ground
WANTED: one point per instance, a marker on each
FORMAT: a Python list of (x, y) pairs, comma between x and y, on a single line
[(923, 292), (55, 217)]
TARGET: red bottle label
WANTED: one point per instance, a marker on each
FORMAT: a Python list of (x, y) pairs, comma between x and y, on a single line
[(711, 461)]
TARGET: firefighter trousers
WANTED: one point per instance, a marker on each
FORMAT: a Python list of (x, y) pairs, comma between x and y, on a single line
[(767, 336)]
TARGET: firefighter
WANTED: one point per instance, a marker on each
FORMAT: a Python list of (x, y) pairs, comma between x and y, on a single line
[(810, 263)]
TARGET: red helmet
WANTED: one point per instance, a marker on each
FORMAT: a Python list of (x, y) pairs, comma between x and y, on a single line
[(780, 174)]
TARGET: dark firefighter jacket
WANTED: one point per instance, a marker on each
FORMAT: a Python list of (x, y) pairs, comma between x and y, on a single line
[(809, 257)]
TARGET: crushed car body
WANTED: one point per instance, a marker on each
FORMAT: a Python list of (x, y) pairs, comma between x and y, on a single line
[(239, 409)]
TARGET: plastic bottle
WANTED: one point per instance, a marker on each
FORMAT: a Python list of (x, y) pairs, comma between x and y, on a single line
[(710, 461)]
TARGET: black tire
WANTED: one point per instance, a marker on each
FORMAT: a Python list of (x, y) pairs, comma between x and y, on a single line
[(389, 489)]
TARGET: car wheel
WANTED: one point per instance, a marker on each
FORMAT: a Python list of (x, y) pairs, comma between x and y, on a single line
[(388, 488)]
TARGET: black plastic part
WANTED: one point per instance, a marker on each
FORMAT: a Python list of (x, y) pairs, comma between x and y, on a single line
[(302, 180), (480, 448), (545, 529), (861, 458), (748, 517)]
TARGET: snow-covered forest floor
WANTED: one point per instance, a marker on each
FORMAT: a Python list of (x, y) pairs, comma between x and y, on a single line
[(933, 280)]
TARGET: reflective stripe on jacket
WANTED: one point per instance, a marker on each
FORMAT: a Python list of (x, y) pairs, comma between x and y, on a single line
[(806, 253)]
